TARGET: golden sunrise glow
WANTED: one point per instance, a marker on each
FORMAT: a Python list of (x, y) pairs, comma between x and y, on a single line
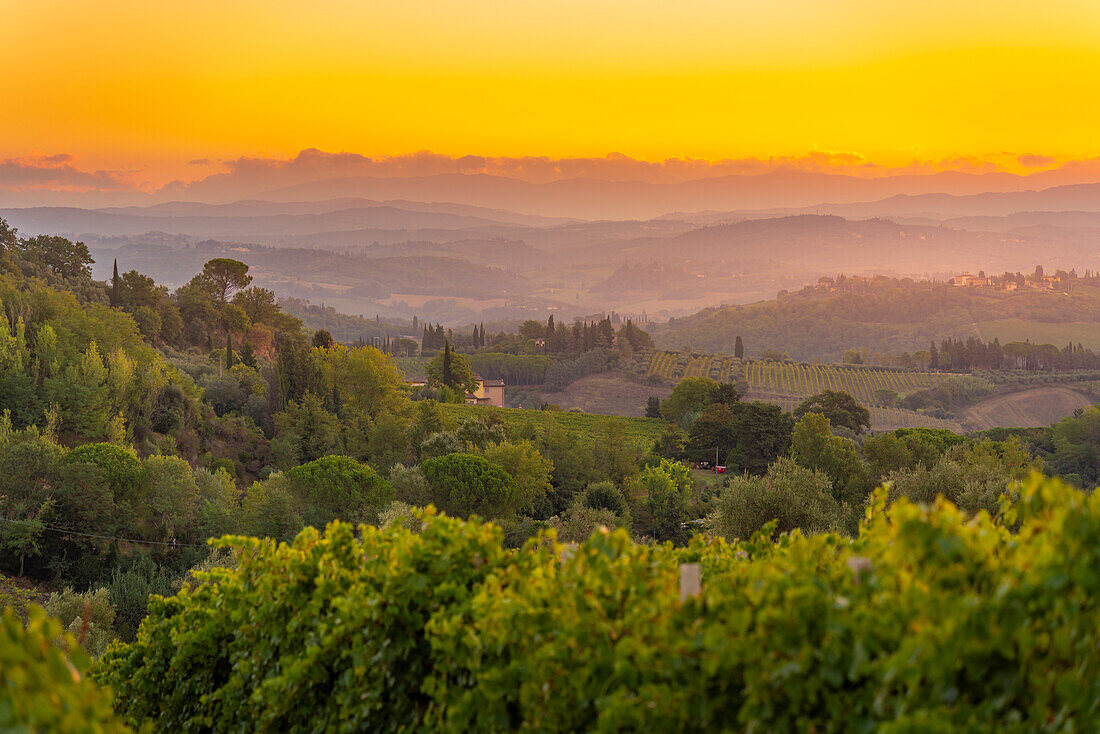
[(149, 86)]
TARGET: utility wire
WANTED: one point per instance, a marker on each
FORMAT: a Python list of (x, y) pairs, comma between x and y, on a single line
[(63, 531)]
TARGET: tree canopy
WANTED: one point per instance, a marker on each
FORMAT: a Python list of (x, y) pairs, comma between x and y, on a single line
[(839, 407)]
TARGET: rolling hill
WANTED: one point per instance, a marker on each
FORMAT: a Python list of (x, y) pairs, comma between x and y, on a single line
[(882, 315)]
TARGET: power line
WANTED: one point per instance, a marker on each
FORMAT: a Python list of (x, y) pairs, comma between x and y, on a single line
[(172, 543)]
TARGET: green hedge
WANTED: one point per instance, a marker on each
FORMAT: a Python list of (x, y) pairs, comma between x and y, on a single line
[(928, 621)]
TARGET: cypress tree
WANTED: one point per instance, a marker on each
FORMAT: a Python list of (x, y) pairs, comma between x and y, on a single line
[(248, 356), (116, 293), (228, 350), (739, 348), (447, 379)]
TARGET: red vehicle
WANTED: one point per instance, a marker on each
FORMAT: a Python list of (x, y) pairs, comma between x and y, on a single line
[(719, 470)]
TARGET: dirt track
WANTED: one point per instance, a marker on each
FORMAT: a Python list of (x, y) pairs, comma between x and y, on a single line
[(1040, 406)]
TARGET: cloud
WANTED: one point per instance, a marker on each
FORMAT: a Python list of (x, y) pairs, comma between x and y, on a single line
[(56, 173), (200, 162), (1032, 160), (250, 175)]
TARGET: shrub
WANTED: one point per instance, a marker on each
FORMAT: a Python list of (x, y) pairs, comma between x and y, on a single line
[(409, 485), (465, 484), (327, 634), (789, 495), (88, 616), (42, 687), (606, 496), (269, 510), (441, 444), (338, 487), (577, 524), (930, 620), (129, 590), (121, 468), (667, 488)]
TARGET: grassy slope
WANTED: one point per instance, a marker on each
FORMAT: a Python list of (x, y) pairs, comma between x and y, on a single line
[(1059, 334), (585, 426), (1040, 406)]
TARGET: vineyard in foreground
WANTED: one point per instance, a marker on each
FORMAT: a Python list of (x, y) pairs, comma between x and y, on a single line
[(929, 620)]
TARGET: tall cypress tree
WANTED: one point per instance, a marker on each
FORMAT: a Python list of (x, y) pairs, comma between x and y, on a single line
[(116, 292), (447, 378), (739, 348), (228, 350)]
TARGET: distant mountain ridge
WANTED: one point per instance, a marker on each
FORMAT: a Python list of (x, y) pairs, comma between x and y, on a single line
[(597, 199), (940, 206)]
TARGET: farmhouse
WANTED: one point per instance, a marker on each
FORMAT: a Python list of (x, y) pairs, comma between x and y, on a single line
[(489, 392), (969, 280)]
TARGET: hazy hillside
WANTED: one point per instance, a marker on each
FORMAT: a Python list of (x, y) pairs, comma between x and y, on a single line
[(883, 315), (593, 198), (937, 205), (808, 245), (514, 266)]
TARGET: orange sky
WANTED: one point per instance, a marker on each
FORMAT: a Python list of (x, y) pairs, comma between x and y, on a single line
[(145, 87)]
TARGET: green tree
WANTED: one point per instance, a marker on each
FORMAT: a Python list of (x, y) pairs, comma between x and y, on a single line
[(441, 444), (667, 500), (9, 240), (815, 447), (451, 369), (465, 484), (338, 488), (739, 348), (606, 496), (122, 471), (60, 256), (229, 356), (306, 432), (653, 407), (574, 465), (688, 399), (248, 356), (747, 436), (839, 407), (529, 468), (169, 505), (322, 339), (89, 616), (270, 510), (886, 453), (116, 286), (791, 495), (577, 524), (1077, 446), (260, 305), (226, 276)]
